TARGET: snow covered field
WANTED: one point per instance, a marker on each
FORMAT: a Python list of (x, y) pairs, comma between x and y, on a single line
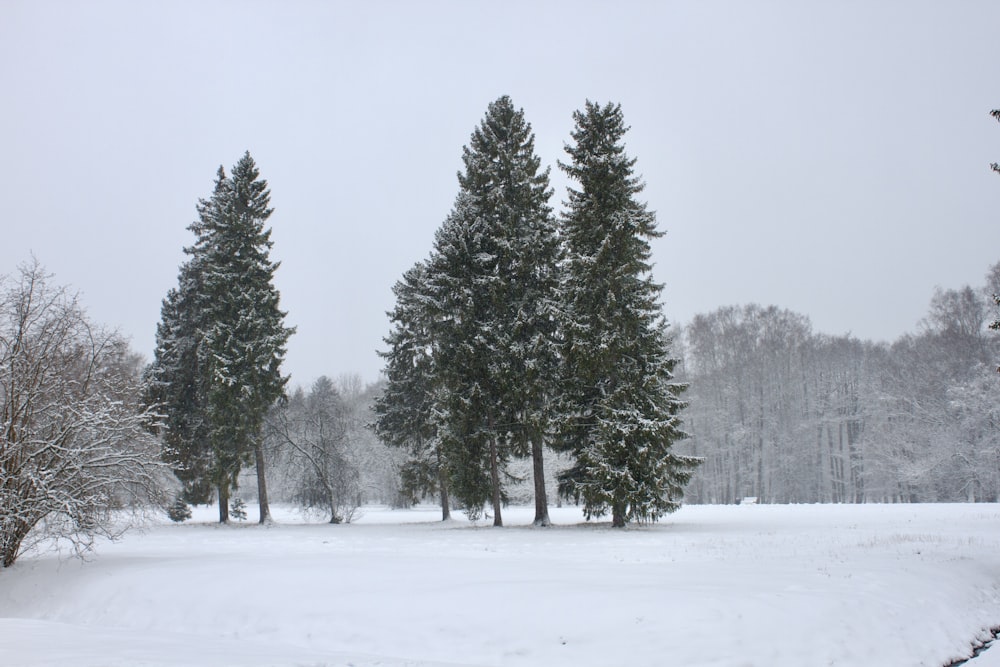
[(770, 586)]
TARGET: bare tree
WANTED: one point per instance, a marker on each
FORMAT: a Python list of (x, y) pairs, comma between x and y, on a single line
[(313, 428), (76, 452), (786, 415)]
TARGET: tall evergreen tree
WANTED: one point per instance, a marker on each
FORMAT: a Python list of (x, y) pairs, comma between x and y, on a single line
[(493, 283), (620, 404), (221, 342), (245, 337), (174, 384), (995, 324), (465, 409), (177, 379), (404, 410)]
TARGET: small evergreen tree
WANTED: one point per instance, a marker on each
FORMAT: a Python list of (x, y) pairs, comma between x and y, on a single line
[(238, 509), (179, 511), (620, 407)]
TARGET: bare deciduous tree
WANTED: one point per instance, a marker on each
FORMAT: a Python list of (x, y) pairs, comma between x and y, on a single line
[(77, 459), (313, 428)]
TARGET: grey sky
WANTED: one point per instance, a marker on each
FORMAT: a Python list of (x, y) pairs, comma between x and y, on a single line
[(827, 157)]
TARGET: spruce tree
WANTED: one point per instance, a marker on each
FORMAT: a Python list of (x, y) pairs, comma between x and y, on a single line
[(179, 511), (177, 378), (492, 280), (220, 343), (619, 403), (404, 410), (245, 337), (995, 324), (465, 408)]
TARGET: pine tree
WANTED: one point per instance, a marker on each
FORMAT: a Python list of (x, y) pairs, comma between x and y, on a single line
[(245, 337), (492, 280), (404, 411), (620, 406)]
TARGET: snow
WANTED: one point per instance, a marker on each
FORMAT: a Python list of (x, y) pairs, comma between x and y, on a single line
[(731, 586)]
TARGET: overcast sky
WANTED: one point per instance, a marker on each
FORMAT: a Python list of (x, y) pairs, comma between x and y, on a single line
[(826, 157)]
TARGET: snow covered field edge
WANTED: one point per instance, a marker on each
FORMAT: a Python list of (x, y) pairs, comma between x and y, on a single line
[(775, 586)]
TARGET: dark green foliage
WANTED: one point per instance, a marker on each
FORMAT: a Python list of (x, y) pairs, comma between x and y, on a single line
[(511, 333), (221, 340), (238, 509), (178, 381), (619, 406), (471, 346), (995, 324), (245, 337), (179, 511), (463, 350), (404, 411), (417, 479), (492, 285)]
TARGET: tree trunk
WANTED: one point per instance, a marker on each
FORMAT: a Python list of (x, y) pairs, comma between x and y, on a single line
[(223, 504), (265, 508), (443, 489), (495, 481), (618, 514), (10, 541), (541, 499)]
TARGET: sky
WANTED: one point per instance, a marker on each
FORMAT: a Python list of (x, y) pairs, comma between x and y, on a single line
[(831, 158)]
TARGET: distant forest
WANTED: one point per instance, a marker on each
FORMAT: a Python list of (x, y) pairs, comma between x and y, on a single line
[(787, 415)]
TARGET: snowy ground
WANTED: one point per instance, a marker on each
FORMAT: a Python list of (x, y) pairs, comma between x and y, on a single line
[(770, 586)]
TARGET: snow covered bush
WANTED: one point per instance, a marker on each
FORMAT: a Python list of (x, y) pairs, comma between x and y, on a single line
[(180, 511), (313, 433), (77, 459)]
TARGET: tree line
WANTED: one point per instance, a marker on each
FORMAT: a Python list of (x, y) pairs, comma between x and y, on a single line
[(783, 414)]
